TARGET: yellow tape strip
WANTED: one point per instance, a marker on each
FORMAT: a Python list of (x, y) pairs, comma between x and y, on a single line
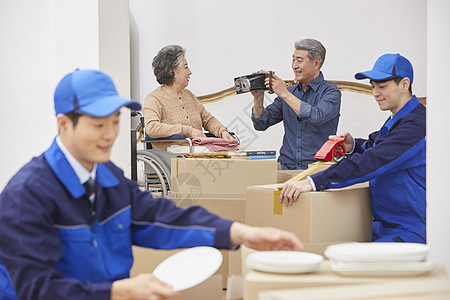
[(277, 205), (306, 172)]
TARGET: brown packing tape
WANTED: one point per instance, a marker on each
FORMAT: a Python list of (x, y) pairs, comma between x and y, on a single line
[(306, 172), (177, 167), (277, 205)]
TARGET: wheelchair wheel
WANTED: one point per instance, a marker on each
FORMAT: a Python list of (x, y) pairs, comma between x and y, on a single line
[(153, 174)]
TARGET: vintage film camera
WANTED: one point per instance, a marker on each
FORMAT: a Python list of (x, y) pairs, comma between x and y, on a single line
[(253, 82)]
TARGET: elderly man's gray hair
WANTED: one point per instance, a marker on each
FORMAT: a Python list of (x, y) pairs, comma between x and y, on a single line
[(315, 49), (168, 59)]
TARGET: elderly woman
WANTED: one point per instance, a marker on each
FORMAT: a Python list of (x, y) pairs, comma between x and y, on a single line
[(173, 109)]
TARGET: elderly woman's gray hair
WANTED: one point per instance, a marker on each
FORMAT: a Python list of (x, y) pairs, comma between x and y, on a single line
[(168, 59), (315, 49)]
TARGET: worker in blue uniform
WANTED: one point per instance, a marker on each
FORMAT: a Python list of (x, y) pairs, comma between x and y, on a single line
[(69, 217), (391, 159)]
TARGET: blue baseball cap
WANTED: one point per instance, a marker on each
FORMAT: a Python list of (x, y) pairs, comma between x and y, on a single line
[(389, 66), (89, 92)]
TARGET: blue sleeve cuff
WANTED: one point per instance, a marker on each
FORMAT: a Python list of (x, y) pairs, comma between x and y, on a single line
[(264, 115), (222, 236)]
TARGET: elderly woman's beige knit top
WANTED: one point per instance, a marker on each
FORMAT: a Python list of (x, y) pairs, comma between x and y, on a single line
[(166, 115)]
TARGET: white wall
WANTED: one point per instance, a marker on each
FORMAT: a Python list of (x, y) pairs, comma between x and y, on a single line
[(27, 76), (438, 123), (41, 42), (225, 39)]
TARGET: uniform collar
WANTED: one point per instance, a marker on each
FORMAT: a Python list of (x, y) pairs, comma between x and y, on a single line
[(406, 109), (69, 178), (313, 84), (82, 173)]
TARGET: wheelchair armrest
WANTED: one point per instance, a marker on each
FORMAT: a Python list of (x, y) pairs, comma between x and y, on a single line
[(169, 138), (208, 134), (174, 137)]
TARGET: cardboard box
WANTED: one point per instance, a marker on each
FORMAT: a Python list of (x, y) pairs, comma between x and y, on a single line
[(210, 289), (206, 178), (285, 175), (429, 289), (225, 207), (317, 217), (256, 282)]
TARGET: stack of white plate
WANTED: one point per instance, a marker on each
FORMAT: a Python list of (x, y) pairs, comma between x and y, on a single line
[(284, 261), (379, 259)]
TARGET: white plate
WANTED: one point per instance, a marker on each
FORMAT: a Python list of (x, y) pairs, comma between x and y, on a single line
[(284, 261), (378, 252), (389, 269), (189, 267)]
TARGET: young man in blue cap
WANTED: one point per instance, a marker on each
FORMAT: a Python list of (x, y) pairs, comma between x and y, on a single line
[(69, 217), (391, 159)]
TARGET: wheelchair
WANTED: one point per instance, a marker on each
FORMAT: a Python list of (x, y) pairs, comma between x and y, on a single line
[(153, 166)]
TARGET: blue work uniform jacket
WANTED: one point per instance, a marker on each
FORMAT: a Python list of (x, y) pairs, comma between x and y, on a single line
[(393, 160), (57, 245)]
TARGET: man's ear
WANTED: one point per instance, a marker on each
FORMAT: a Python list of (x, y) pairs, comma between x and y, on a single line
[(404, 84), (317, 62), (63, 122)]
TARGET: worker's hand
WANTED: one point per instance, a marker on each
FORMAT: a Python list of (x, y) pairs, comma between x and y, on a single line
[(227, 135), (197, 133), (263, 238), (143, 286), (348, 143), (292, 190), (278, 86)]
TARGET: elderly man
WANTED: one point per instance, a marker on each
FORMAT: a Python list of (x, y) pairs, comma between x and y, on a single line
[(392, 159), (69, 217), (309, 110)]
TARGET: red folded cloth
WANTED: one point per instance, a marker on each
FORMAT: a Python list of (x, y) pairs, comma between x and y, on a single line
[(216, 144)]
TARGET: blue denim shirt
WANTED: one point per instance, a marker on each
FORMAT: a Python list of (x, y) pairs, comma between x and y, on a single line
[(306, 132)]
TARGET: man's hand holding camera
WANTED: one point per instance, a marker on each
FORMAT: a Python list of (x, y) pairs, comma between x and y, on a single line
[(277, 85)]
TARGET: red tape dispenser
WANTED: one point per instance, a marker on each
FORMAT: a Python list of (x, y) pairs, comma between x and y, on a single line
[(331, 151)]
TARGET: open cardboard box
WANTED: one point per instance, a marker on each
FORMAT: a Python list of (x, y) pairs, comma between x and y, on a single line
[(285, 175), (317, 217), (206, 178)]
